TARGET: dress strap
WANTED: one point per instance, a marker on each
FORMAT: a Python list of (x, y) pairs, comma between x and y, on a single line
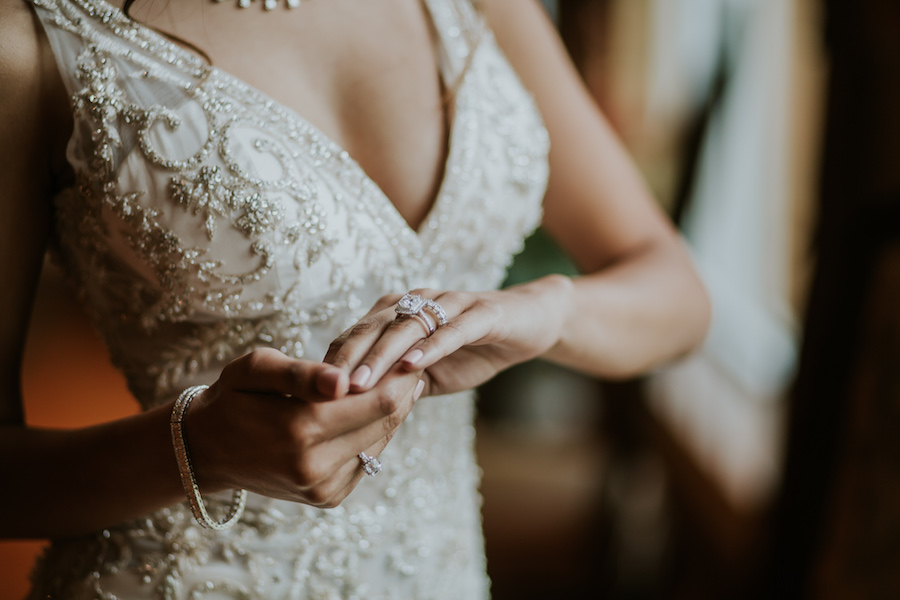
[(75, 27), (460, 27)]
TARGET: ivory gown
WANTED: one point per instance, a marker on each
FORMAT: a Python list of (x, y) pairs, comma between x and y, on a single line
[(207, 220)]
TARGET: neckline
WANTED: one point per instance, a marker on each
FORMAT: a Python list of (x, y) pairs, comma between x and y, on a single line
[(388, 209)]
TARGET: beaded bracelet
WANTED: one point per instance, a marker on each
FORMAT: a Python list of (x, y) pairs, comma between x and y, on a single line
[(188, 478)]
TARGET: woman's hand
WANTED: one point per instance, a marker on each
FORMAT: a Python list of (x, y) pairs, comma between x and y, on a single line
[(286, 428), (485, 333)]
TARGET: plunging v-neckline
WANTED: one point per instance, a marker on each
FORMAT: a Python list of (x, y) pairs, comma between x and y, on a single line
[(336, 149), (450, 117)]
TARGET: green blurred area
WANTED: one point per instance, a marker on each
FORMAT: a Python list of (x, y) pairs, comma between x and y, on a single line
[(541, 256)]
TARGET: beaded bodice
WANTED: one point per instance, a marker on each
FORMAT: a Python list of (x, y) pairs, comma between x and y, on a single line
[(207, 220)]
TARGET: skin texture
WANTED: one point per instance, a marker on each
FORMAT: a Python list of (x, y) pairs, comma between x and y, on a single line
[(292, 428)]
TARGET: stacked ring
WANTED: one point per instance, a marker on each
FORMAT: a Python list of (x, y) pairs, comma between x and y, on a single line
[(413, 305)]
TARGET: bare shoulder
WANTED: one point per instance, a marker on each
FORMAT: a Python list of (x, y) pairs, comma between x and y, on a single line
[(29, 139), (21, 69), (34, 110), (19, 38)]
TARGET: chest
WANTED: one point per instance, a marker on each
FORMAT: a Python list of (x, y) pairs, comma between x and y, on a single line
[(365, 74), (200, 197), (208, 218)]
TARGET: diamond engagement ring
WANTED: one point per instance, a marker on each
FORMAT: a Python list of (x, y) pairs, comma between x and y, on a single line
[(371, 465), (413, 305)]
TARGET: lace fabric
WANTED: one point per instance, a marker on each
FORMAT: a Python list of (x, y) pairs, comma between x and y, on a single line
[(209, 220)]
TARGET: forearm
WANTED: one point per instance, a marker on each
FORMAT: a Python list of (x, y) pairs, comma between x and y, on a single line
[(67, 482), (633, 315)]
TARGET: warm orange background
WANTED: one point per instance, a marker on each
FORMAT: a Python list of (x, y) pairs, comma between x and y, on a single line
[(67, 382)]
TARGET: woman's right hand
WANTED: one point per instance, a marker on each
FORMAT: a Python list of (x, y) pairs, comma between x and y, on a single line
[(286, 428)]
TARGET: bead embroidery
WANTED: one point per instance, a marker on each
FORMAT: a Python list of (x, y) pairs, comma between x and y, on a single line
[(220, 222)]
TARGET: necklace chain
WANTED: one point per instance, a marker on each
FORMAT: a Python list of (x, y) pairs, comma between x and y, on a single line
[(267, 4)]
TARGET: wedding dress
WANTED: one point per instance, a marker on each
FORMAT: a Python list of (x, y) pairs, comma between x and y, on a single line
[(206, 220)]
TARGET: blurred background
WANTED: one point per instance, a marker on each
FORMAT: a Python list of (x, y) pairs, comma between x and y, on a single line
[(768, 464)]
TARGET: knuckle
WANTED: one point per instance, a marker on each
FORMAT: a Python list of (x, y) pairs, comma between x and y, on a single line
[(327, 494), (390, 425), (305, 432), (298, 372), (364, 327), (336, 354), (493, 310), (388, 404), (259, 356), (330, 499), (307, 473), (318, 496), (336, 344), (230, 371), (249, 363), (238, 368), (452, 329)]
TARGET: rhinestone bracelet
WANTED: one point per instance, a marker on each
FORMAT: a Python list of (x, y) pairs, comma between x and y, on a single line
[(188, 478)]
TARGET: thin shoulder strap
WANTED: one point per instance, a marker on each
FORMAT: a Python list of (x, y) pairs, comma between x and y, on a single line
[(460, 27), (64, 27), (76, 26)]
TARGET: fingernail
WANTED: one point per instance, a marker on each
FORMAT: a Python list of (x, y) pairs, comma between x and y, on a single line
[(419, 387), (413, 356), (330, 383), (360, 376)]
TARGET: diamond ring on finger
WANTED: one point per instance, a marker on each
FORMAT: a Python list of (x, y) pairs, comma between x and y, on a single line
[(371, 465)]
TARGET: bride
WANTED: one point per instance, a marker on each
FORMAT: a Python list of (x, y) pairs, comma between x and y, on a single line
[(308, 209)]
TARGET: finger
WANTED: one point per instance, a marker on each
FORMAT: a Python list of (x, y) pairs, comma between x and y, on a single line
[(359, 330), (320, 464), (387, 405), (357, 465), (270, 371), (371, 438), (344, 352), (349, 347), (397, 338), (332, 383), (469, 328), (403, 333), (333, 490)]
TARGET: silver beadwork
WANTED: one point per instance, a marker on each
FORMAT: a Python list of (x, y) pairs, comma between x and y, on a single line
[(333, 227)]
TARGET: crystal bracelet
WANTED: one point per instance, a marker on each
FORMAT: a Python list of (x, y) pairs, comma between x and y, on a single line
[(188, 478)]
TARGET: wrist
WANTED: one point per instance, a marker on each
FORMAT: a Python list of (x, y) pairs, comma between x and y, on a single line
[(560, 301), (552, 304)]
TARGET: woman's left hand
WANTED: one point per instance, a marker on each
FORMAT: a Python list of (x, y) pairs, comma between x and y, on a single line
[(485, 333)]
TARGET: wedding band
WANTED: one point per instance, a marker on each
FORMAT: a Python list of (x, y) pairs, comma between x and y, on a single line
[(371, 465), (438, 311), (429, 325), (413, 305)]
